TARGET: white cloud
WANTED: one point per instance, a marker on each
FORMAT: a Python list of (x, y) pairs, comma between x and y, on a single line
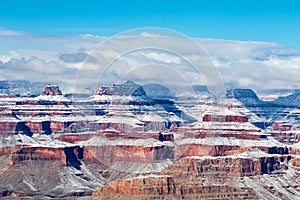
[(35, 69), (254, 64), (240, 64), (162, 57), (148, 34), (7, 32), (283, 63)]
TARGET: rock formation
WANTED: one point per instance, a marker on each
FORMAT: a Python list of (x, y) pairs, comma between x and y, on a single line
[(126, 89), (120, 144), (52, 90), (229, 177)]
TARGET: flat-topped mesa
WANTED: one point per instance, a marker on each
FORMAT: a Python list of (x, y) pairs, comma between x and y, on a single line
[(223, 114), (220, 121), (126, 89), (52, 90)]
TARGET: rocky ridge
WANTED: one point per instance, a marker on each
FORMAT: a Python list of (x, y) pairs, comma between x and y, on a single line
[(133, 146)]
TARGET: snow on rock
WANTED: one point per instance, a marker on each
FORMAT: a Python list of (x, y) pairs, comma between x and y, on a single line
[(223, 141), (40, 141), (102, 141), (51, 98)]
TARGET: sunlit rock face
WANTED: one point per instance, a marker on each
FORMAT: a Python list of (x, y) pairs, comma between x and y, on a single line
[(229, 177), (120, 143)]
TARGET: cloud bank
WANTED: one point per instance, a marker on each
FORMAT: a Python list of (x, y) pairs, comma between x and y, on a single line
[(246, 64)]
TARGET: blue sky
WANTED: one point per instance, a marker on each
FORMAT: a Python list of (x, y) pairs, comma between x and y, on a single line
[(255, 20), (252, 44)]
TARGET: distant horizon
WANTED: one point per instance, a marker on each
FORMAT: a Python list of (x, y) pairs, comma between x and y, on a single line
[(257, 91)]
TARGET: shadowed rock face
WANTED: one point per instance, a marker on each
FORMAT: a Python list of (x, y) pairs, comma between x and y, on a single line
[(23, 129), (46, 128), (71, 158), (271, 110), (157, 91), (291, 100)]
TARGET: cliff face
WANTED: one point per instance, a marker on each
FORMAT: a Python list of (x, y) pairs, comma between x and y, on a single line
[(45, 171), (200, 178), (130, 146), (138, 188), (116, 153), (52, 90), (227, 166), (224, 157), (19, 153)]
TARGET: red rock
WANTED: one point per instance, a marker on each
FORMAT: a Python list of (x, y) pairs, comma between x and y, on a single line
[(138, 188), (110, 154), (52, 90), (222, 118), (8, 128)]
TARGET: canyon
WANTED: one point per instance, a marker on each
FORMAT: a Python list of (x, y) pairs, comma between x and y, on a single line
[(120, 144)]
